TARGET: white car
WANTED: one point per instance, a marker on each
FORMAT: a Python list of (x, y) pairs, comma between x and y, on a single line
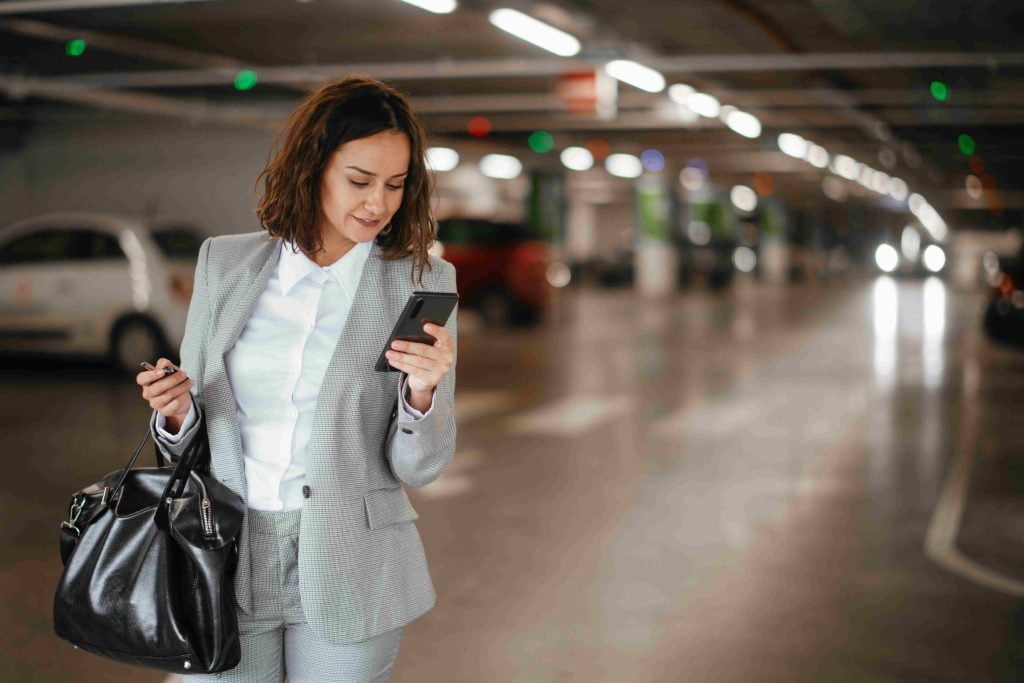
[(95, 285)]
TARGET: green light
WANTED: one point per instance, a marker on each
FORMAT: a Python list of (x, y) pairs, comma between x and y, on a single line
[(245, 80), (540, 141), (967, 145), (940, 91), (74, 48)]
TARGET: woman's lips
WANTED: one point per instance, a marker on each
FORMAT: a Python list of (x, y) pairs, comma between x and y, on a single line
[(366, 223)]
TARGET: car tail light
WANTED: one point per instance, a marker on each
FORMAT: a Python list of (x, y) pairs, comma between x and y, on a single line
[(181, 288), (1006, 284)]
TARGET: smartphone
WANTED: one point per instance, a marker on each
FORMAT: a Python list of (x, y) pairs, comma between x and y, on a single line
[(169, 370), (422, 307)]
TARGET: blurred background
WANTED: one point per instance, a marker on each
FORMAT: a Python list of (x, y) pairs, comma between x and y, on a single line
[(740, 365)]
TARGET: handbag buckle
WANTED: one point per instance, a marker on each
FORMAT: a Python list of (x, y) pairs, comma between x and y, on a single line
[(77, 505)]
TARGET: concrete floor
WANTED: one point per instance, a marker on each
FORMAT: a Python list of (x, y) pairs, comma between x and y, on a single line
[(791, 483)]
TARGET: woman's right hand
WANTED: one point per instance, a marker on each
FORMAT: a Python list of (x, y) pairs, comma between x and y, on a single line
[(167, 394)]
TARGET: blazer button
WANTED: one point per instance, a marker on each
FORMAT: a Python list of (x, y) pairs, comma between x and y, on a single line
[(305, 491), (406, 431)]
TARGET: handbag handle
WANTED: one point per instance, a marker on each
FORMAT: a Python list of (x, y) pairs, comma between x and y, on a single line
[(179, 478), (135, 456)]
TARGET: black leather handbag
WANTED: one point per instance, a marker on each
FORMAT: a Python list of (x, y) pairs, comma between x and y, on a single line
[(149, 557)]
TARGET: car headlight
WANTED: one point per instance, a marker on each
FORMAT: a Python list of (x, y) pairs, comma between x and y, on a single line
[(934, 258), (886, 258)]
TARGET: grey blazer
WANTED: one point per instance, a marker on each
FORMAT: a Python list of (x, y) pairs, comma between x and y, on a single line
[(361, 564)]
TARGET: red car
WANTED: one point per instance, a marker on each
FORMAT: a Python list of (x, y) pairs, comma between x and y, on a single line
[(500, 270)]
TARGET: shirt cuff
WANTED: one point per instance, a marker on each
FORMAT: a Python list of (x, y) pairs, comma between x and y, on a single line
[(409, 411), (190, 420)]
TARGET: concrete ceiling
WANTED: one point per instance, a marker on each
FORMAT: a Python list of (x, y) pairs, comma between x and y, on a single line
[(852, 76)]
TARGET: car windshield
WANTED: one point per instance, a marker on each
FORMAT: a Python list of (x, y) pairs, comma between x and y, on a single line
[(178, 243)]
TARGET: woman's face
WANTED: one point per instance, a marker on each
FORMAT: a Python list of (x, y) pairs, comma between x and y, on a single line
[(361, 190)]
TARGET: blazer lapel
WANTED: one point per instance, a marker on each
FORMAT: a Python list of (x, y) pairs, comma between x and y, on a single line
[(236, 301), (251, 283)]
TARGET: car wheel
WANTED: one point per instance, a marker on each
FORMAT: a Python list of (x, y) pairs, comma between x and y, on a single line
[(496, 307), (135, 340)]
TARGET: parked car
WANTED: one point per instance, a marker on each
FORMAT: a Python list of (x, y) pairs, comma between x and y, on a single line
[(97, 286), (500, 270), (1004, 314)]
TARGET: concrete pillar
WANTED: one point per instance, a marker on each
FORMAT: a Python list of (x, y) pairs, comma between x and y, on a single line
[(580, 229), (774, 252), (656, 260)]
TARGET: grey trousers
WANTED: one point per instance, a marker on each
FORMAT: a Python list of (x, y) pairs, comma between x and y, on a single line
[(277, 643)]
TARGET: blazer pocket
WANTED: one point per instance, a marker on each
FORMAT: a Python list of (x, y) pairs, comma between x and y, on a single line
[(388, 506)]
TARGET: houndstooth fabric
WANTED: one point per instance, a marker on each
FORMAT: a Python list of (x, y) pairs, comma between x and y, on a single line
[(362, 570), (277, 643)]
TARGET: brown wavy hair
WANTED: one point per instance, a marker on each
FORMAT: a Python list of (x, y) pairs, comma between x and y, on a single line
[(350, 109)]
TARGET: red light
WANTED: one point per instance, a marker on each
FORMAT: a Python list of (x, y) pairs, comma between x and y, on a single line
[(599, 148), (976, 164), (479, 126), (764, 184)]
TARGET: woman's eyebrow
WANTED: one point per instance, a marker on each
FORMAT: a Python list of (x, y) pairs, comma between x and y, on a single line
[(370, 173)]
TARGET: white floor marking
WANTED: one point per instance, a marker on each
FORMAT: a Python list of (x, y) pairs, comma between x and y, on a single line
[(471, 405), (940, 543), (572, 415)]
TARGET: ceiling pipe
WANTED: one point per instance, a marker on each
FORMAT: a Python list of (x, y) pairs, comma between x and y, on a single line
[(526, 68), (35, 6), (128, 46), (195, 111)]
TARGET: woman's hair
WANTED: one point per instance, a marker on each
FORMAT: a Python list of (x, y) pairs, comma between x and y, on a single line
[(349, 109)]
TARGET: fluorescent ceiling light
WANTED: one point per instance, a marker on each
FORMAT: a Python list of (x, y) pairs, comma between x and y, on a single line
[(704, 104), (577, 158), (624, 165), (442, 159), (538, 33), (501, 166), (880, 183), (793, 145), (916, 202), (435, 6), (817, 156), (743, 123), (637, 75), (680, 92), (898, 189), (743, 198), (845, 166), (866, 175)]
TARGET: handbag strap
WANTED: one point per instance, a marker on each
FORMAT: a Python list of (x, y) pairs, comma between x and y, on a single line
[(187, 463), (128, 467)]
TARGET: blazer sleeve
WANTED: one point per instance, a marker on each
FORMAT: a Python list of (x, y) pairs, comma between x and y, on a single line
[(418, 450), (193, 353)]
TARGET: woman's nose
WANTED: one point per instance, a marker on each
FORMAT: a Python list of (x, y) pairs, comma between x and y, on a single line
[(375, 201)]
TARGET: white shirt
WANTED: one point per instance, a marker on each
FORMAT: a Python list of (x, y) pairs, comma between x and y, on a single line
[(277, 366)]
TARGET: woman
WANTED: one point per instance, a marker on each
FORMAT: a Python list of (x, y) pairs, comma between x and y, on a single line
[(283, 333)]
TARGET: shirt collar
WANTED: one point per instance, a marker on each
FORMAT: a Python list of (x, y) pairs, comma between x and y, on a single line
[(294, 266)]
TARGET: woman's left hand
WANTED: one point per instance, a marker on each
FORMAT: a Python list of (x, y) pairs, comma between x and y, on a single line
[(424, 363)]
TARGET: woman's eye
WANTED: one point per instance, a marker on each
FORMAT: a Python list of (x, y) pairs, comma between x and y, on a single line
[(359, 185), (395, 187)]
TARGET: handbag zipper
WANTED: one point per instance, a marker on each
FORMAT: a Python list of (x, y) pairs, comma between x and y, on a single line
[(205, 507)]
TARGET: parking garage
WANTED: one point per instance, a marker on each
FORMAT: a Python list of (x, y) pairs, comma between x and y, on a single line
[(739, 352)]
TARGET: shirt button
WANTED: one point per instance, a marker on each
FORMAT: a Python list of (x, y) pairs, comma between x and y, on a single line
[(305, 491), (406, 431)]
